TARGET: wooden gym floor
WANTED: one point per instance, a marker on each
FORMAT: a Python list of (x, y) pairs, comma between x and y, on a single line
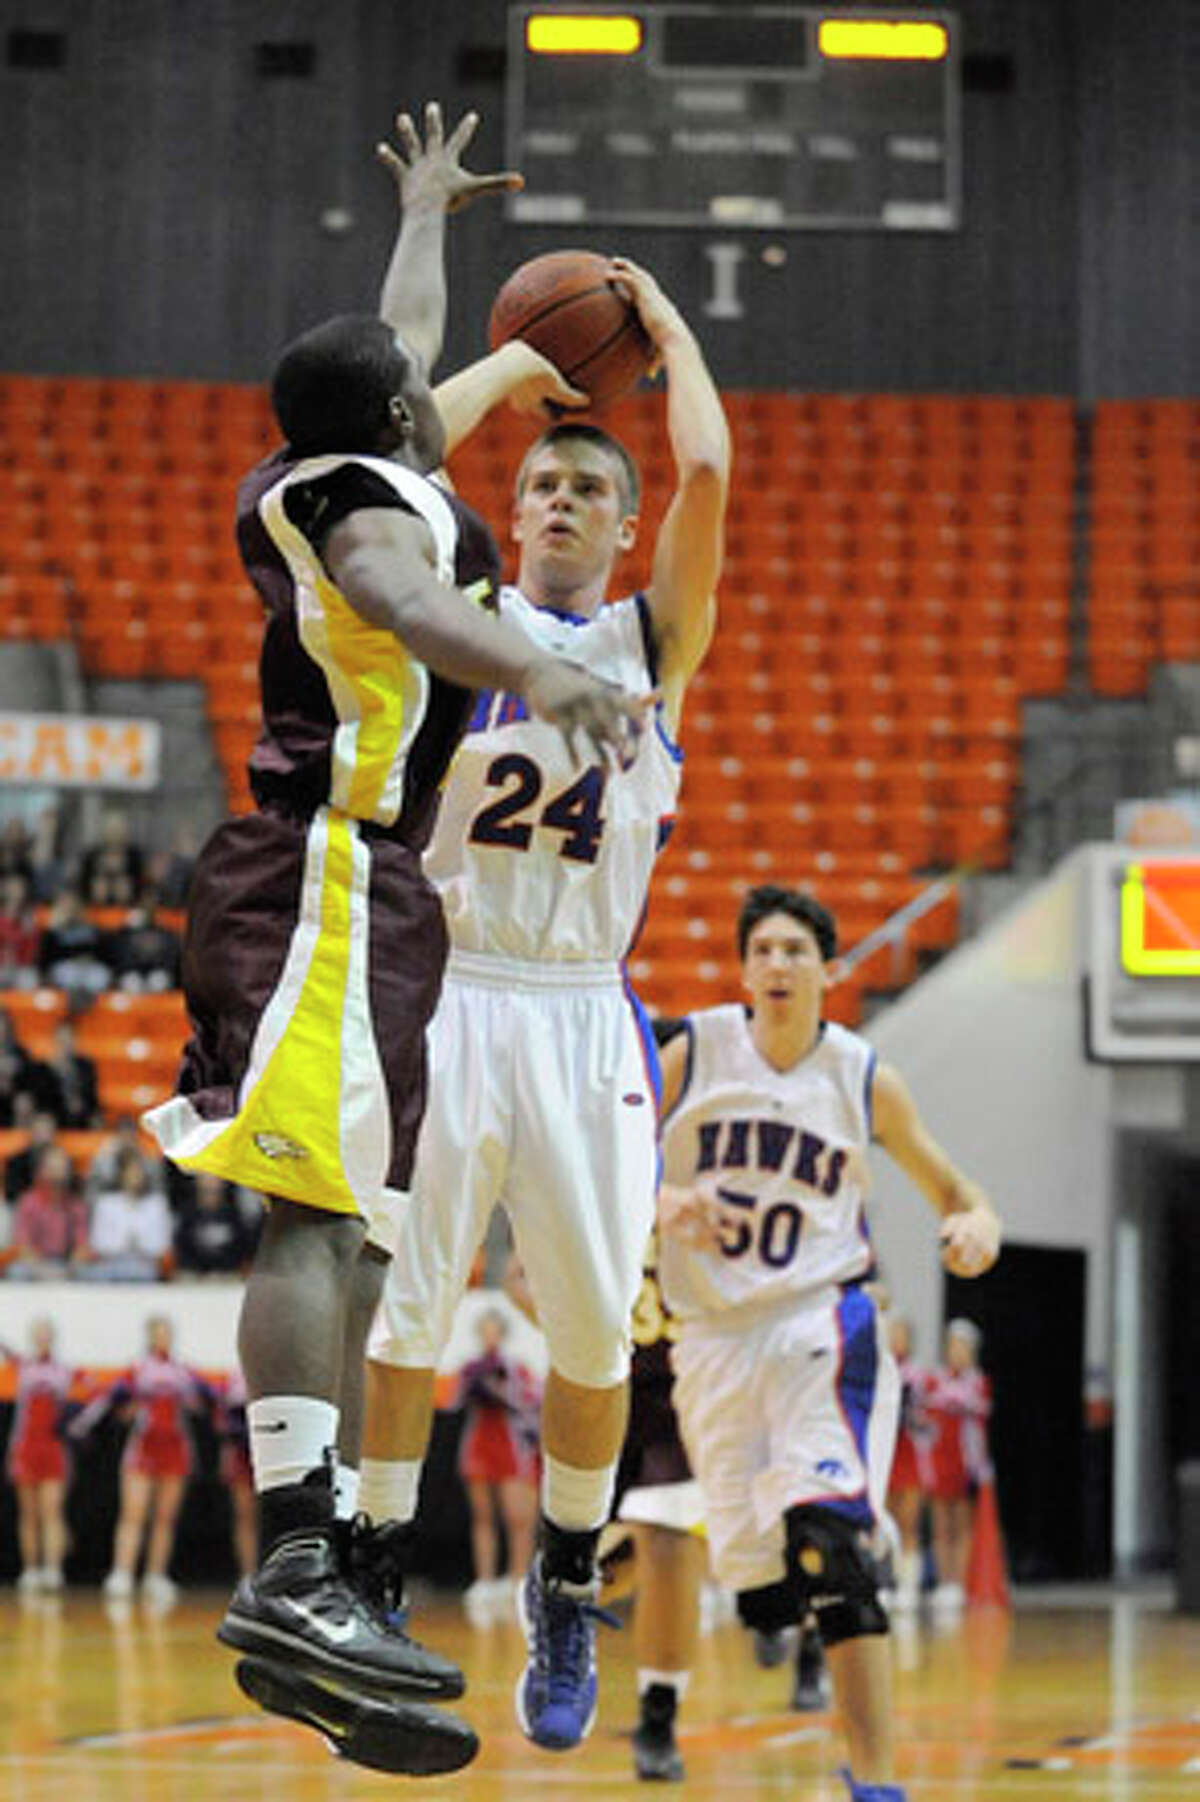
[(1075, 1696)]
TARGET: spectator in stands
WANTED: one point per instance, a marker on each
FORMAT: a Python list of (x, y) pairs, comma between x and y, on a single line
[(20, 1081), (74, 1100), (20, 934), (111, 873), (131, 1227), (143, 955), (45, 852), (105, 1171), (50, 1231), (211, 1236), (171, 871), (71, 955), (15, 851), (20, 1173)]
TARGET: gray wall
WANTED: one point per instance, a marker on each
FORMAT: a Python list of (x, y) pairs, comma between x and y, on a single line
[(161, 203), (991, 1043)]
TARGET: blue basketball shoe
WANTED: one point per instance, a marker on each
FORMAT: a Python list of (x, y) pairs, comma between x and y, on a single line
[(871, 1792), (556, 1693)]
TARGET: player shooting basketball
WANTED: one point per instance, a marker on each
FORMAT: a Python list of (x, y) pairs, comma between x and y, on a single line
[(543, 1072)]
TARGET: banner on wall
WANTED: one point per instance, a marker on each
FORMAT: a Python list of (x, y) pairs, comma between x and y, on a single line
[(70, 750)]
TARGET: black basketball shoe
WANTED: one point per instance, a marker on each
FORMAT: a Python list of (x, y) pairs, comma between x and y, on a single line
[(298, 1607), (406, 1738), (375, 1561), (656, 1757), (812, 1690)]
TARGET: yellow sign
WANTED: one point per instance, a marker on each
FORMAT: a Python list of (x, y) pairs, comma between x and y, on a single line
[(893, 40), (583, 34), (65, 750), (1160, 919)]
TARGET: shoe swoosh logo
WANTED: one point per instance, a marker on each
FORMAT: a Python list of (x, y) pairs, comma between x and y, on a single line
[(338, 1636)]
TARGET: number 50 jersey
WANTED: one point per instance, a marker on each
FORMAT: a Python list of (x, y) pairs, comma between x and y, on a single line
[(537, 857), (786, 1151)]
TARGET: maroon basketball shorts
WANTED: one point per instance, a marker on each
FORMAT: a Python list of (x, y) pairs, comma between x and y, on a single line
[(312, 964)]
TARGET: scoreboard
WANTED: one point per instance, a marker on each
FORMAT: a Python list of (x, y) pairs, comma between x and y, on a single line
[(1143, 990), (733, 116)]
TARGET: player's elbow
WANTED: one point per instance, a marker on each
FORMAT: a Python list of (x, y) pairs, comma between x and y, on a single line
[(704, 471)]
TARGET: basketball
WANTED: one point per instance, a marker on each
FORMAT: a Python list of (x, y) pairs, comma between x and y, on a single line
[(566, 306)]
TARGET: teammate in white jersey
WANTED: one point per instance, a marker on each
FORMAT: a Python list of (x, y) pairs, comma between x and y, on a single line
[(786, 1393), (543, 1073)]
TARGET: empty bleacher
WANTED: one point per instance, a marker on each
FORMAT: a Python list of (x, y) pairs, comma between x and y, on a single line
[(898, 578)]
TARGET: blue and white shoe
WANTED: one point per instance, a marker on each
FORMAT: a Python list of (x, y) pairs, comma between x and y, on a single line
[(871, 1792), (556, 1692)]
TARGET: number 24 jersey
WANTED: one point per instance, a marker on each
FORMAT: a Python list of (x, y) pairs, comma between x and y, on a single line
[(535, 856), (786, 1150)]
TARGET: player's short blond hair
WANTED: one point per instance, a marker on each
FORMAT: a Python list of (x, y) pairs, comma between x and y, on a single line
[(629, 483)]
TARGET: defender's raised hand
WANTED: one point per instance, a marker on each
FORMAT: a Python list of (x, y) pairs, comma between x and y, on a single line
[(431, 174)]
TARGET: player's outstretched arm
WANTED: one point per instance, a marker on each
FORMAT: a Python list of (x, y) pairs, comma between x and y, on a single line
[(691, 539), (383, 563), (430, 183), (970, 1234), (515, 373)]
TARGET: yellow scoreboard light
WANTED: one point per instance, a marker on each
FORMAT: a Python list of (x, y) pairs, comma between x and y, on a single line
[(1160, 919), (884, 40), (583, 34)]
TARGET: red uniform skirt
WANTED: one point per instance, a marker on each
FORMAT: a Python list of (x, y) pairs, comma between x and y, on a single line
[(37, 1458), (906, 1469), (492, 1453)]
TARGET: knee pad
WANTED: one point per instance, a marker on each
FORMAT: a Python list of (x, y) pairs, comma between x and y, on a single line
[(830, 1563), (772, 1607)]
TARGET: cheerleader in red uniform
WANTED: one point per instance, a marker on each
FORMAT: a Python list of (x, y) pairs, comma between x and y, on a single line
[(956, 1400), (157, 1394), (233, 1431), (498, 1462), (37, 1462), (906, 1488)]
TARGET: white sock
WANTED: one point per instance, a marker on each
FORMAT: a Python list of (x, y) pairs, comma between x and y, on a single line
[(388, 1488), (676, 1680), (345, 1492), (290, 1435), (577, 1500)]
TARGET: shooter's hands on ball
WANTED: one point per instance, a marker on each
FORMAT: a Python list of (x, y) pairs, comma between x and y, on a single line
[(970, 1242), (431, 174), (540, 389), (660, 317), (579, 703), (694, 1216)]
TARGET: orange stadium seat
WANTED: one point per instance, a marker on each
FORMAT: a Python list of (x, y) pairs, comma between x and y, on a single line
[(898, 575)]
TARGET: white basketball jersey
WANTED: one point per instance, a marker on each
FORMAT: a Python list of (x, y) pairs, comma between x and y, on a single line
[(787, 1152), (539, 858)]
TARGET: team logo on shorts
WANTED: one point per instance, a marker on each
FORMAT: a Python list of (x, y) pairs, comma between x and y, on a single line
[(633, 1099), (274, 1145), (832, 1467)]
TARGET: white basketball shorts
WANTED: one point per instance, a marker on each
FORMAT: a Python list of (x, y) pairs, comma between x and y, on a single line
[(798, 1404), (543, 1096)]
